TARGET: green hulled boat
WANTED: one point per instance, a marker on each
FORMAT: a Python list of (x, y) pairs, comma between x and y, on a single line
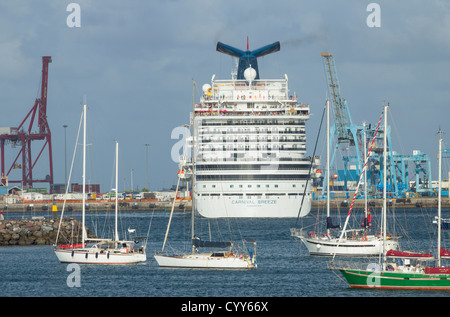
[(410, 270), (416, 277)]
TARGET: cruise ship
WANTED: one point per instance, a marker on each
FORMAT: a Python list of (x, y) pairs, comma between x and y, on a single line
[(249, 144)]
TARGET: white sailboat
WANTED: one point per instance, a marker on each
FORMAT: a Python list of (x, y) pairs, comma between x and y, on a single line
[(226, 258), (350, 242), (223, 259), (100, 251)]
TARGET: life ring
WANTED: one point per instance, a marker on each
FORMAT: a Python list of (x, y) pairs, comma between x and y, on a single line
[(365, 238)]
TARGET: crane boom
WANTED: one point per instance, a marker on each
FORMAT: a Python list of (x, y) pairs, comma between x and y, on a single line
[(343, 119)]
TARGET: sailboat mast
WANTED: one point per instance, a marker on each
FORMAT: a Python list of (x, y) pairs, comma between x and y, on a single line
[(193, 165), (384, 179), (178, 183), (439, 202), (83, 239), (365, 178), (116, 232), (170, 217), (328, 162)]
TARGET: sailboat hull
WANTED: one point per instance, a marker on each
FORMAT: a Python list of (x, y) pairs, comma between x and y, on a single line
[(395, 280), (88, 256), (204, 261), (372, 246)]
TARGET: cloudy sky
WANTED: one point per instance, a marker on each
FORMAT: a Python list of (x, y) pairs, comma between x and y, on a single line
[(135, 62)]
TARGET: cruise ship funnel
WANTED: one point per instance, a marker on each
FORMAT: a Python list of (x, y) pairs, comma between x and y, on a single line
[(248, 58)]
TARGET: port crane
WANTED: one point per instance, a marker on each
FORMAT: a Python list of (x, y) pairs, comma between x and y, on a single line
[(345, 132), (26, 133)]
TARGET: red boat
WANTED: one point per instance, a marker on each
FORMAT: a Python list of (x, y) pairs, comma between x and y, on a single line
[(407, 254)]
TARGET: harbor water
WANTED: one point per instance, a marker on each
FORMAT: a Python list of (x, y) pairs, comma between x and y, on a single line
[(284, 267)]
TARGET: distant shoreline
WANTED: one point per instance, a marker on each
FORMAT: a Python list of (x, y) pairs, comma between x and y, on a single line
[(374, 204), (92, 205)]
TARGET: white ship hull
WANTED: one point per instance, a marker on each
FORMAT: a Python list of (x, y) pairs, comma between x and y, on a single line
[(233, 207), (248, 146), (91, 256), (204, 261), (373, 246)]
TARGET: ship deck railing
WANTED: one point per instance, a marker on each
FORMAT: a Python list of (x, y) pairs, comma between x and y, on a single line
[(242, 83), (249, 160), (279, 86), (272, 103), (220, 111), (300, 160), (246, 113)]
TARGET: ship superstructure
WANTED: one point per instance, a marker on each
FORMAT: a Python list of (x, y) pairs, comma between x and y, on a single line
[(249, 145)]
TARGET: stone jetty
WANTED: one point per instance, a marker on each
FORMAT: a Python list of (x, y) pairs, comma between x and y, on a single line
[(37, 231)]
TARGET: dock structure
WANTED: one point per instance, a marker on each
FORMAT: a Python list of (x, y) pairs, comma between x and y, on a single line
[(377, 204), (374, 204), (75, 206)]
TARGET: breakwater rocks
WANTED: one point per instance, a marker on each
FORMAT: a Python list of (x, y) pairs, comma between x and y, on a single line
[(36, 231)]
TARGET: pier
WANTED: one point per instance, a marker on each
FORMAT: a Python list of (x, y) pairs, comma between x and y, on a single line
[(93, 205)]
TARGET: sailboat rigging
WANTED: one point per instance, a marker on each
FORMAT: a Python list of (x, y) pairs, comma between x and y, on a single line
[(99, 251), (404, 270), (350, 242)]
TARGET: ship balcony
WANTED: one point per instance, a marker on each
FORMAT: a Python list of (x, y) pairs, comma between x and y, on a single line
[(252, 109), (250, 156)]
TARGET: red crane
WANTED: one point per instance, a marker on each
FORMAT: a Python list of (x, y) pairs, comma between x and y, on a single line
[(24, 134)]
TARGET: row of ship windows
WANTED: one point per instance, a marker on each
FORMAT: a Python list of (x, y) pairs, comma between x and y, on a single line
[(263, 177), (274, 139), (253, 122), (263, 130), (258, 147), (239, 157), (203, 167), (247, 156), (256, 186)]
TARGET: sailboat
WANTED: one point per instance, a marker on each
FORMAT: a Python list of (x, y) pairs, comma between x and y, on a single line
[(350, 242), (100, 251), (408, 270), (226, 257)]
